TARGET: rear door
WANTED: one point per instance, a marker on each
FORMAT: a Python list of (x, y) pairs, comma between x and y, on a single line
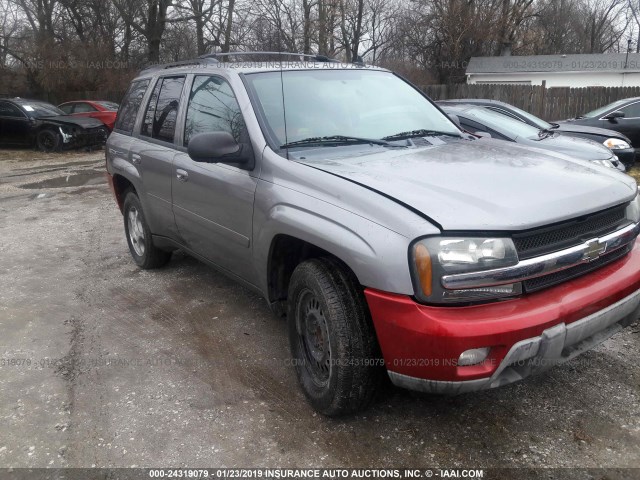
[(153, 152), (119, 153), (213, 202)]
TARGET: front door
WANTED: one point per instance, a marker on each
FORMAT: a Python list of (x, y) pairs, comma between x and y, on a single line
[(628, 125), (14, 125), (213, 202)]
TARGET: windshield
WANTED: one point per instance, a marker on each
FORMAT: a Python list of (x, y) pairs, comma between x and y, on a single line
[(599, 111), (109, 105), (353, 103), (41, 109), (507, 126)]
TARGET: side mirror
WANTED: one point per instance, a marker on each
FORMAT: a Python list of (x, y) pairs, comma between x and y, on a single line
[(455, 119), (482, 134), (613, 115), (219, 147)]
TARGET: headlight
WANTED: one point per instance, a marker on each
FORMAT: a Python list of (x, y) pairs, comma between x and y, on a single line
[(604, 163), (433, 257), (616, 144), (633, 210)]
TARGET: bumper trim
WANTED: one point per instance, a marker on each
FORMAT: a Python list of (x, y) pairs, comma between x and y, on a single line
[(531, 356)]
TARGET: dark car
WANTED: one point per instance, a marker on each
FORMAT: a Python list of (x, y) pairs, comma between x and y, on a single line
[(481, 121), (102, 110), (616, 141), (32, 122), (622, 116)]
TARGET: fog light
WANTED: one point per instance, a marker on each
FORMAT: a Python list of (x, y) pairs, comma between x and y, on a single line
[(473, 357)]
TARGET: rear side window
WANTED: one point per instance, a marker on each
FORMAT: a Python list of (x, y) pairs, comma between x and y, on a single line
[(8, 110), (130, 105), (213, 108), (162, 110)]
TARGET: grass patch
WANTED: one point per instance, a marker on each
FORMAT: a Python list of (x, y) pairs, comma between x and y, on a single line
[(635, 173)]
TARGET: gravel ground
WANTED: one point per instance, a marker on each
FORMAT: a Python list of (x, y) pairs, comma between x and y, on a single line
[(103, 364)]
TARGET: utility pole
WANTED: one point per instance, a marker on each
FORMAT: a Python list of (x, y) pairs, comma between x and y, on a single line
[(626, 61)]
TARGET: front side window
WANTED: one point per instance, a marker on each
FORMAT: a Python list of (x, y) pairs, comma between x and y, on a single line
[(128, 112), (83, 108), (213, 108), (162, 110), (602, 110), (359, 103), (631, 111), (66, 108)]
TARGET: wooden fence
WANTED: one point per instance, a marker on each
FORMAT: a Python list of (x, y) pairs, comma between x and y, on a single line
[(546, 103)]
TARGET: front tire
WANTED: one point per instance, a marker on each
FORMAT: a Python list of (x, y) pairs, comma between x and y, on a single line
[(144, 252), (48, 141), (333, 343)]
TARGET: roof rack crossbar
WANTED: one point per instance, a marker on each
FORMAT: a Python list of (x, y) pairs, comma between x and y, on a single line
[(317, 58)]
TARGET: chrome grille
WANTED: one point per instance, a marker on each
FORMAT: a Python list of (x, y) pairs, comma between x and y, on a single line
[(539, 283), (545, 240)]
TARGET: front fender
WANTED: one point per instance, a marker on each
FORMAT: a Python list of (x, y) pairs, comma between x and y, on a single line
[(377, 255)]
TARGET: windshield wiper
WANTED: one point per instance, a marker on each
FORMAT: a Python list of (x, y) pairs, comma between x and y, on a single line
[(337, 140), (420, 133), (544, 133)]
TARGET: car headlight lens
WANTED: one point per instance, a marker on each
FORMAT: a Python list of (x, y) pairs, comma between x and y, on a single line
[(616, 144), (633, 210), (434, 257), (604, 163)]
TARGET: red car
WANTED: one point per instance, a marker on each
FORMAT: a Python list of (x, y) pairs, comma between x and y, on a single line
[(101, 109)]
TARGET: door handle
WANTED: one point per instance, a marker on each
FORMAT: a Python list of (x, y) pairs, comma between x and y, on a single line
[(182, 175), (136, 159)]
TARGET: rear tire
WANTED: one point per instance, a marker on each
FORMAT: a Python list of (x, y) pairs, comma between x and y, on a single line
[(333, 344), (48, 141), (144, 252)]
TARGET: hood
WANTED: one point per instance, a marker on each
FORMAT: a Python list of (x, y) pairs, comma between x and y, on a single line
[(569, 126), (574, 147), (84, 122), (488, 185)]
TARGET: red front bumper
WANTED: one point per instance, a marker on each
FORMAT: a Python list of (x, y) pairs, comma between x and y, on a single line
[(425, 342)]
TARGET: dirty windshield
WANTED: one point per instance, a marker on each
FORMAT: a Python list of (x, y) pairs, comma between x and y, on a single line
[(347, 103)]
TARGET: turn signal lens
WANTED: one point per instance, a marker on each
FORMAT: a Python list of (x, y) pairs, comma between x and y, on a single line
[(423, 266)]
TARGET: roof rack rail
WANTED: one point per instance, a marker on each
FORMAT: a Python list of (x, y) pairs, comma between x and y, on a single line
[(317, 58), (182, 63)]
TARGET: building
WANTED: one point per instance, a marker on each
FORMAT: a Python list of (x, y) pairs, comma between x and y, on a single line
[(584, 70)]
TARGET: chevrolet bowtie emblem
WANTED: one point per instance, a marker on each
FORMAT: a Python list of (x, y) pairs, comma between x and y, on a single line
[(594, 250)]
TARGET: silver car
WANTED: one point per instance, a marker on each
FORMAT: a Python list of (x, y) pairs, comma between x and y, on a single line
[(392, 242)]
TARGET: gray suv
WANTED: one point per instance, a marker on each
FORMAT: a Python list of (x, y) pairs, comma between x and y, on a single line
[(393, 243)]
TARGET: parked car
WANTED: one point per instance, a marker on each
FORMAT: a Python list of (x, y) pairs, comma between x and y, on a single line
[(32, 122), (479, 120), (102, 110), (390, 239), (619, 144), (622, 116)]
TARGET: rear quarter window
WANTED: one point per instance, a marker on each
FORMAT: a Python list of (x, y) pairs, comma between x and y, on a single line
[(128, 112)]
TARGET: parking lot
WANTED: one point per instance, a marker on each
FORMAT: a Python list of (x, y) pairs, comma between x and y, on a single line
[(104, 364)]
